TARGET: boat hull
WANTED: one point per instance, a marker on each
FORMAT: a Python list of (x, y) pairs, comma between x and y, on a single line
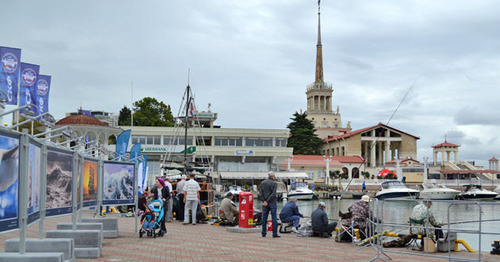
[(438, 195), (397, 195), (302, 196), (476, 196)]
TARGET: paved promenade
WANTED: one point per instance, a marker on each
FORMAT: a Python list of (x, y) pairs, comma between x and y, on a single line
[(205, 242)]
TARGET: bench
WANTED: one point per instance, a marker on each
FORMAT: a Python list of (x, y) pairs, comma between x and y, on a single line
[(53, 245), (109, 225), (88, 243)]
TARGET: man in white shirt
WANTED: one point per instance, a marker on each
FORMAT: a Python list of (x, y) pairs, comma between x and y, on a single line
[(168, 217), (191, 199)]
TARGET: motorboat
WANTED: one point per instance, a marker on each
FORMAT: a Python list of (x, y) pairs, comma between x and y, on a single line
[(396, 189), (476, 192), (235, 190), (281, 191), (300, 191), (437, 192), (497, 190)]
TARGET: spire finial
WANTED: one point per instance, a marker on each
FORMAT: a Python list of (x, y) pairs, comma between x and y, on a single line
[(319, 52)]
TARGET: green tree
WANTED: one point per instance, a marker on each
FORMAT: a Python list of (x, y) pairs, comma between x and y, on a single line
[(302, 137), (124, 117), (150, 112), (339, 175)]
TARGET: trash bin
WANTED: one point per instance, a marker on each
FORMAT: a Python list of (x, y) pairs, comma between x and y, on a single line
[(246, 210)]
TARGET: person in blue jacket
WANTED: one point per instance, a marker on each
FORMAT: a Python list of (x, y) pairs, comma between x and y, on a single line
[(290, 213)]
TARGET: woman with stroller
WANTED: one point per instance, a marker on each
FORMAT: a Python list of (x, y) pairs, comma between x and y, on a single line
[(161, 192)]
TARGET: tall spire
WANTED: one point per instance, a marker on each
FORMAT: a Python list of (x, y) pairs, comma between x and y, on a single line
[(319, 53)]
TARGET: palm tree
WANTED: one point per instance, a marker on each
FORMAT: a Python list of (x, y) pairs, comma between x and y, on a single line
[(337, 174)]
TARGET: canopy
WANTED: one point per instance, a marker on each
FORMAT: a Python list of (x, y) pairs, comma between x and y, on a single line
[(262, 175), (384, 172)]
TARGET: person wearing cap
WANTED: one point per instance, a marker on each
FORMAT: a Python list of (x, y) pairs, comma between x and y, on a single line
[(179, 215), (228, 209), (161, 192), (290, 213), (421, 218), (360, 211), (267, 194), (319, 220)]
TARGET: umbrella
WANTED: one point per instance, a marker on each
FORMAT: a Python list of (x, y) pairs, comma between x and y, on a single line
[(384, 172)]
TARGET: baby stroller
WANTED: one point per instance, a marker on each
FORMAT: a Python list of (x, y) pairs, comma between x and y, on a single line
[(151, 220)]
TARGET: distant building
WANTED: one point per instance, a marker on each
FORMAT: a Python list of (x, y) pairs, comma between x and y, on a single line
[(315, 166), (108, 118)]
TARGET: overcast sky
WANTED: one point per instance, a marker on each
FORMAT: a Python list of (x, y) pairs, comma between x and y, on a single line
[(252, 60)]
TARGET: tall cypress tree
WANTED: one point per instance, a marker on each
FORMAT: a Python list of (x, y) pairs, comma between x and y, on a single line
[(302, 137)]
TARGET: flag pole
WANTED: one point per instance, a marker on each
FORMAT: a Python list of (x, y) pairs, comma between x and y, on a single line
[(132, 106)]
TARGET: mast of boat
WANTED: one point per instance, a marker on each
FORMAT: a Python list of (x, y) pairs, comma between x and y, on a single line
[(188, 98)]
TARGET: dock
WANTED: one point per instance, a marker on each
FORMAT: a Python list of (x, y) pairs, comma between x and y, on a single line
[(205, 242)]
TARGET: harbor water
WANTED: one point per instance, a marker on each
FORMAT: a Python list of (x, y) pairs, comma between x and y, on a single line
[(463, 215)]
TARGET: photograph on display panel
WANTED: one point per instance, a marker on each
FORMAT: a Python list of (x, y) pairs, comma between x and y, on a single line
[(118, 183), (9, 181), (89, 183), (59, 182), (34, 158)]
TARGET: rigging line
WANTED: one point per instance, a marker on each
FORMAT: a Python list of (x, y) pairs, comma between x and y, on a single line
[(377, 138)]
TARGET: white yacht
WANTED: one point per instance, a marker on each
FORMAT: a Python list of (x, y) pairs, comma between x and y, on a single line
[(395, 189), (476, 192), (497, 190), (300, 191), (437, 191)]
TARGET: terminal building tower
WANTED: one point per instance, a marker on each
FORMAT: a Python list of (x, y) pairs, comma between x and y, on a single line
[(319, 99)]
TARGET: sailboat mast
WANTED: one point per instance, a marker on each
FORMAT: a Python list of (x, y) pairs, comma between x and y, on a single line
[(188, 102)]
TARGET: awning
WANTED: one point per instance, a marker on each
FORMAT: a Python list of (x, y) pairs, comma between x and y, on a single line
[(262, 175), (243, 175)]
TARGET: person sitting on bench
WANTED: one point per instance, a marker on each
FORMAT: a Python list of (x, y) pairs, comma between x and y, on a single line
[(290, 213), (319, 221), (229, 212)]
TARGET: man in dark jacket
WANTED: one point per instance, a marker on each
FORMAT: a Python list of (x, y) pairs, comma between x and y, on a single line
[(267, 194), (290, 213), (319, 220)]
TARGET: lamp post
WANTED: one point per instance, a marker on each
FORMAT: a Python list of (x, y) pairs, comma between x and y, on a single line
[(327, 160), (426, 159), (398, 168)]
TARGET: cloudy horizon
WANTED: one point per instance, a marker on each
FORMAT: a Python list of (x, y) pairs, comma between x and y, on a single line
[(252, 60)]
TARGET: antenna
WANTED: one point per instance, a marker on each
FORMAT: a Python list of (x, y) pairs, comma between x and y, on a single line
[(189, 74)]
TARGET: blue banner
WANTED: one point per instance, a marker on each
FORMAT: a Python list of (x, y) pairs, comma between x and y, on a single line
[(135, 152), (27, 85), (145, 172), (122, 144), (10, 60), (42, 94)]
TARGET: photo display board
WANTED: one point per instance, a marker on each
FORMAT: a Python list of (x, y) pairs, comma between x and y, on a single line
[(90, 181), (34, 178), (118, 183), (9, 181), (59, 182)]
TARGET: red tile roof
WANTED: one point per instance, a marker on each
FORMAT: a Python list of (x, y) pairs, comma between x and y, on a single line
[(393, 162), (445, 144), (355, 132), (493, 159), (80, 120)]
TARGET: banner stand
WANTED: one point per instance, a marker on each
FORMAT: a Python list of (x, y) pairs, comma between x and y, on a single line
[(136, 192), (74, 190), (43, 191), (100, 187), (23, 194), (82, 161)]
